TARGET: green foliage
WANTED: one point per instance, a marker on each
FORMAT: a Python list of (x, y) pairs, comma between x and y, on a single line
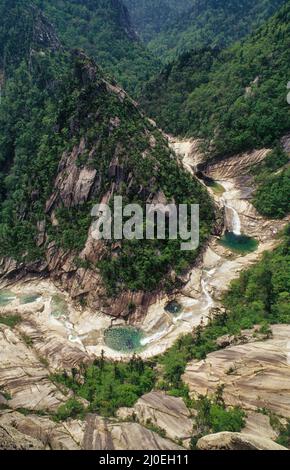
[(214, 23), (272, 198), (165, 96), (234, 99), (262, 293), (273, 184), (103, 30), (150, 17), (27, 340), (5, 394), (72, 231), (18, 35), (275, 160), (109, 385), (284, 436), (213, 417), (10, 320), (154, 428), (72, 409), (62, 101)]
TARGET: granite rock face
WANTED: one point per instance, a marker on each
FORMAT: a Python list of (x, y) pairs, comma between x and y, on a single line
[(254, 375), (104, 435), (11, 439), (167, 413), (235, 166), (95, 433), (236, 441), (24, 376)]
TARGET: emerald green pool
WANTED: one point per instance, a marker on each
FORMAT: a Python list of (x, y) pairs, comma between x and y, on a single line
[(217, 188), (124, 339), (6, 297), (173, 307), (29, 298), (239, 243)]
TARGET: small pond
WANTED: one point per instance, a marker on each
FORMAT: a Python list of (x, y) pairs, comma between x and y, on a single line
[(239, 243), (28, 298), (173, 307), (124, 339), (216, 187)]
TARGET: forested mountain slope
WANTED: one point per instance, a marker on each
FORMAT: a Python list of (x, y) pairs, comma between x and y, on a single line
[(68, 140), (234, 99), (102, 28), (150, 17), (214, 23)]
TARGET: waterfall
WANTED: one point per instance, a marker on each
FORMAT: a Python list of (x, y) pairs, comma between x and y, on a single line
[(235, 219), (236, 223)]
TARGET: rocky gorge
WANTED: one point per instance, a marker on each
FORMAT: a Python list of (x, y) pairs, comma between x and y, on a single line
[(125, 344), (55, 334)]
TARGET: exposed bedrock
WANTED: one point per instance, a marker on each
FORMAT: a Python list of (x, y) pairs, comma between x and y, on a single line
[(236, 441), (167, 413), (254, 375), (95, 433)]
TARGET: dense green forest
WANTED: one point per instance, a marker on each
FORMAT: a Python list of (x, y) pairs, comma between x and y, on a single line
[(272, 177), (20, 25), (272, 198), (234, 99), (150, 17), (214, 23), (102, 28), (53, 99)]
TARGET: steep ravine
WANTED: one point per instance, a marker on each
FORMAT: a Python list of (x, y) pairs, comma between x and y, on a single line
[(83, 329), (54, 335)]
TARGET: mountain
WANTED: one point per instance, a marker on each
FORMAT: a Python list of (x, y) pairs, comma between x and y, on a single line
[(234, 99), (102, 28), (20, 38), (70, 139), (214, 23), (150, 17)]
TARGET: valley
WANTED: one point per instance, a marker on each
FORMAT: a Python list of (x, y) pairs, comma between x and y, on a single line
[(128, 344), (85, 329)]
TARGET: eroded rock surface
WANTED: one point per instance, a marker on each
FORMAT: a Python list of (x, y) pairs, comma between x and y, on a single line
[(255, 375), (95, 433), (23, 375), (104, 435), (11, 439), (236, 441), (259, 424), (167, 413)]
